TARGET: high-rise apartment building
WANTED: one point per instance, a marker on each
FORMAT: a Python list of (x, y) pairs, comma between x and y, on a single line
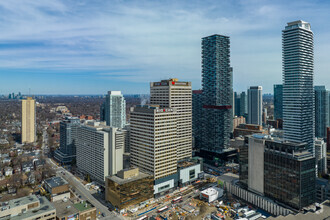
[(278, 101), (153, 139), (66, 153), (321, 155), (298, 90), (255, 105), (100, 150), (115, 109), (217, 82), (176, 94), (28, 120), (321, 111)]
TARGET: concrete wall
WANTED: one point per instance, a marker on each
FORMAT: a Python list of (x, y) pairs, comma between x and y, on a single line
[(184, 173), (61, 197), (259, 201), (256, 165), (158, 186)]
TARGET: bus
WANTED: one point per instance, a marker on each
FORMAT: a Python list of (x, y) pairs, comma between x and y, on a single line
[(143, 218), (162, 209), (176, 200)]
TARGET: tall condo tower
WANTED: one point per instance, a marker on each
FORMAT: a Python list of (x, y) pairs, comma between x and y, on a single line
[(217, 82), (115, 109), (255, 105), (28, 120), (175, 94), (298, 90)]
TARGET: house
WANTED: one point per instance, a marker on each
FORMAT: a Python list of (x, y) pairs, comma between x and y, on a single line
[(27, 166), (6, 160), (39, 164), (8, 171), (17, 169), (31, 177)]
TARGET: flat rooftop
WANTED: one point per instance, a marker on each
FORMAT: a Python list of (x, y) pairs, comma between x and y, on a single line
[(65, 208), (121, 181), (185, 164), (45, 207), (21, 201), (83, 206), (56, 181)]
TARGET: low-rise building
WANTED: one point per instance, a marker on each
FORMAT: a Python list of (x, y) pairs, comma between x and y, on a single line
[(27, 208), (67, 210), (322, 190), (56, 185), (211, 194), (128, 187), (27, 166), (248, 129)]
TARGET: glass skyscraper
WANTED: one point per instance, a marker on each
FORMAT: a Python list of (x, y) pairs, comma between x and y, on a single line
[(255, 105), (115, 109), (217, 82), (321, 111), (298, 90), (278, 101)]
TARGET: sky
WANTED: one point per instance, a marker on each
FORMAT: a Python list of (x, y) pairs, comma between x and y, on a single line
[(93, 46)]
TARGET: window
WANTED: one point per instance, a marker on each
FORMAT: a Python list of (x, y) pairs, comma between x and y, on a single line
[(191, 174)]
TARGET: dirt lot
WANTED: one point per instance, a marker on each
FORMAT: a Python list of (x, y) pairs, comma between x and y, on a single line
[(20, 193)]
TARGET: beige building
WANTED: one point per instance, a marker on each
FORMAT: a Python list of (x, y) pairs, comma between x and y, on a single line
[(29, 208), (28, 120), (175, 94), (100, 150), (153, 138)]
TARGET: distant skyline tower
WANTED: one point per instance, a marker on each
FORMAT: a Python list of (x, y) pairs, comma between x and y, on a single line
[(197, 117), (217, 82), (255, 105), (321, 111), (28, 120), (115, 109), (243, 104), (298, 90), (278, 101), (237, 102), (176, 94)]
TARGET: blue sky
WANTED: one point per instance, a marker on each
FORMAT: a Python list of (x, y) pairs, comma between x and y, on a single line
[(92, 46)]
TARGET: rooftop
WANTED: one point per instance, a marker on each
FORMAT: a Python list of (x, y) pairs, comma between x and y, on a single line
[(83, 206), (65, 208), (55, 182), (121, 181), (21, 201)]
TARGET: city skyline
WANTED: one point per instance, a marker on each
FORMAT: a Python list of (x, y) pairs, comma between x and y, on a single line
[(127, 45)]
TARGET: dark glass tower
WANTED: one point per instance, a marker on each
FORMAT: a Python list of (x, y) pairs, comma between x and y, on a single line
[(217, 82), (298, 90), (278, 101), (321, 111)]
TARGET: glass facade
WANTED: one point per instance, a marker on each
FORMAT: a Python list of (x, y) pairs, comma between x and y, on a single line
[(289, 174), (278, 101), (244, 163), (128, 193), (321, 111), (197, 107)]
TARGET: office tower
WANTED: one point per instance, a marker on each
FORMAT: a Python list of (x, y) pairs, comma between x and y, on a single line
[(278, 101), (255, 105), (243, 105), (298, 90), (264, 116), (217, 82), (28, 120), (100, 150), (115, 109), (197, 117), (281, 170), (321, 111), (237, 102), (153, 140), (176, 94), (102, 112), (66, 153), (321, 155)]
